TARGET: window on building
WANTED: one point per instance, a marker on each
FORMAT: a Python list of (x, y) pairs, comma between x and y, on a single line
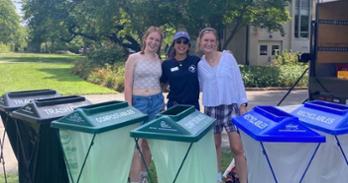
[(275, 49), (263, 49), (302, 18)]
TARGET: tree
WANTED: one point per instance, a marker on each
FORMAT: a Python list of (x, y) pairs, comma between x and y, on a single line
[(228, 16), (9, 22), (122, 22)]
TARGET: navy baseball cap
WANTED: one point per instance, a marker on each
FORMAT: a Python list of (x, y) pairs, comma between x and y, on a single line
[(181, 35)]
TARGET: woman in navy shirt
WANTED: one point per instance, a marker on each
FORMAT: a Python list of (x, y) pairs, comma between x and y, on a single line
[(180, 73)]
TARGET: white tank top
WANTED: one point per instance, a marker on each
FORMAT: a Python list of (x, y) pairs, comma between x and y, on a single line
[(147, 74)]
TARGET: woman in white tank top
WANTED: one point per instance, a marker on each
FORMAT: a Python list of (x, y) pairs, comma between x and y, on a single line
[(142, 90)]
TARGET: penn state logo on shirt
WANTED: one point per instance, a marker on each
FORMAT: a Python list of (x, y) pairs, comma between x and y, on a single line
[(192, 68)]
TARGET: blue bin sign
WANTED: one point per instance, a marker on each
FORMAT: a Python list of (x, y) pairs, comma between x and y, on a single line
[(278, 147), (330, 120)]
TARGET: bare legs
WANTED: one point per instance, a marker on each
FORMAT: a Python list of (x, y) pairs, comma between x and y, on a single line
[(137, 164), (237, 150)]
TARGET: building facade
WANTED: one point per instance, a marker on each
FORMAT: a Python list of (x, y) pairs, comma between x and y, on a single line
[(257, 46)]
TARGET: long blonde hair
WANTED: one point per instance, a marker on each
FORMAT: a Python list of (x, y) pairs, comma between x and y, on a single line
[(201, 34), (147, 33)]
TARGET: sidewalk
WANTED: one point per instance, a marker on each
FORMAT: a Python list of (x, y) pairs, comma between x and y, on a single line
[(271, 97)]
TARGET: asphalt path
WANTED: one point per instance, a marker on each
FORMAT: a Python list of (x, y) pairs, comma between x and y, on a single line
[(263, 97)]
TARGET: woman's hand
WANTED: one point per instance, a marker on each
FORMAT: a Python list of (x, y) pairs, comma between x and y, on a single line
[(242, 109)]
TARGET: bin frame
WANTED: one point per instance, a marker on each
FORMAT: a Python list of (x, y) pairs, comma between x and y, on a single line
[(86, 110), (6, 111), (43, 123), (172, 118), (280, 117)]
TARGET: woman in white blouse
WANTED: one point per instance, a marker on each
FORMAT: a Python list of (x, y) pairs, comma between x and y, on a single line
[(223, 95)]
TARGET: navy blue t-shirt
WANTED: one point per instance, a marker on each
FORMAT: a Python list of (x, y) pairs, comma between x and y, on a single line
[(182, 78)]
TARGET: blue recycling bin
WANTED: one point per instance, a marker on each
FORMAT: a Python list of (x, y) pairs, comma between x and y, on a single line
[(330, 120), (278, 147)]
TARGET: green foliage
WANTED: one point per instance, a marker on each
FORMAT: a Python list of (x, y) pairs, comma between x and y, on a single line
[(283, 72), (273, 76), (260, 76), (111, 76), (5, 48), (123, 22), (12, 33), (106, 54), (9, 22), (287, 58)]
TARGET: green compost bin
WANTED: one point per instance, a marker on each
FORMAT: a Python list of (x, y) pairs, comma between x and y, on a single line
[(96, 142), (182, 145), (41, 153)]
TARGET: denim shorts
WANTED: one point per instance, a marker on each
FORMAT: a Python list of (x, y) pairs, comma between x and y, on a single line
[(150, 105)]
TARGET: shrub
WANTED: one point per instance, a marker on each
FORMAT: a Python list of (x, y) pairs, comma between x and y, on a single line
[(5, 48), (110, 76), (104, 65), (272, 76), (283, 73), (106, 54), (259, 76)]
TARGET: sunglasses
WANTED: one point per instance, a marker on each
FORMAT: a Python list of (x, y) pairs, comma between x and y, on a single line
[(183, 41)]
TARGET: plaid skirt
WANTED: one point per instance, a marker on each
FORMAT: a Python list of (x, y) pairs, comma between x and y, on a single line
[(223, 115)]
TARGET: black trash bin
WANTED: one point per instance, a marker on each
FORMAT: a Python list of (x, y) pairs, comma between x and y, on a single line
[(41, 153), (12, 101)]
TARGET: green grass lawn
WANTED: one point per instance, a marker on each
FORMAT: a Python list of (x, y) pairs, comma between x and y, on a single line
[(11, 178), (24, 71)]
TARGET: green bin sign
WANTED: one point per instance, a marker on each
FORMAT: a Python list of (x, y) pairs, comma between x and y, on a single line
[(96, 142), (184, 135)]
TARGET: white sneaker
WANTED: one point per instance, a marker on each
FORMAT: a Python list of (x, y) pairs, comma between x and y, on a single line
[(219, 177), (143, 177)]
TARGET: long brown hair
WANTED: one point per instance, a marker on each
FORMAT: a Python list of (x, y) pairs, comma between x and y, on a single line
[(200, 35), (147, 33)]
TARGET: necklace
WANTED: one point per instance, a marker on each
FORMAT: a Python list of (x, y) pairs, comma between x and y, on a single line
[(213, 59)]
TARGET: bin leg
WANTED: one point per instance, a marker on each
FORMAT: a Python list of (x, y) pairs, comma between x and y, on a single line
[(84, 161), (22, 157), (66, 161), (310, 162), (342, 151), (268, 162), (2, 160), (182, 162), (143, 158)]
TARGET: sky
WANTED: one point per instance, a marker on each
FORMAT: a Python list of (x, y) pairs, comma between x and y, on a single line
[(18, 5)]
